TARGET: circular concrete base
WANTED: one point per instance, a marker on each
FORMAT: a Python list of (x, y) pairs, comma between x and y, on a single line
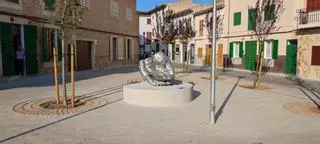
[(144, 94)]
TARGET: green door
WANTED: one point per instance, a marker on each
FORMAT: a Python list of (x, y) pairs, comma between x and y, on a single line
[(291, 59), (250, 55), (30, 40), (8, 56), (173, 51)]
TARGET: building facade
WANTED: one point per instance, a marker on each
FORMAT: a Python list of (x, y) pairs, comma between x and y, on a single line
[(308, 22), (145, 32), (240, 47), (104, 40)]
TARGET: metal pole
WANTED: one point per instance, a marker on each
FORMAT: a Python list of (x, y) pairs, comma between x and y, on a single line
[(213, 67)]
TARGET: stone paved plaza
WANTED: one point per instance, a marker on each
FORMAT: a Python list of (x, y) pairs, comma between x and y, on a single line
[(245, 116)]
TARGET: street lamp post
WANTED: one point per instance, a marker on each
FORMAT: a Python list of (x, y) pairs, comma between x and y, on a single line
[(213, 67)]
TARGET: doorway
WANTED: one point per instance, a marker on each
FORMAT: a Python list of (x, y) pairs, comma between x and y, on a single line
[(83, 55), (291, 57), (208, 54)]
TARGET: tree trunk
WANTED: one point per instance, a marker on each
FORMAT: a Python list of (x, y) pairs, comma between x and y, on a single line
[(65, 99), (188, 58), (258, 79)]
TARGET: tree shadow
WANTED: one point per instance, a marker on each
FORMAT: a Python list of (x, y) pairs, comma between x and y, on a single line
[(314, 94), (195, 94), (93, 95), (225, 102), (48, 80)]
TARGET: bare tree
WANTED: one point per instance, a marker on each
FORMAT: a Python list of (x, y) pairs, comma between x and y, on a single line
[(264, 17), (186, 32), (165, 28), (68, 16), (209, 24)]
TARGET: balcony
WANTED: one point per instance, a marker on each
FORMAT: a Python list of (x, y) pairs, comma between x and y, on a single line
[(307, 20)]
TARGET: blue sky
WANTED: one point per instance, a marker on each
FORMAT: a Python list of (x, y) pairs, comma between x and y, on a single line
[(145, 5)]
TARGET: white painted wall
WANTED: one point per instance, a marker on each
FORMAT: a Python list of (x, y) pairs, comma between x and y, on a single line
[(144, 27)]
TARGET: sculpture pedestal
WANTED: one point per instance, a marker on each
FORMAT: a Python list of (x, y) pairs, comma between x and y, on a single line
[(144, 94)]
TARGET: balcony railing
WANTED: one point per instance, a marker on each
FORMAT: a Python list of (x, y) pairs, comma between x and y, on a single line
[(308, 19)]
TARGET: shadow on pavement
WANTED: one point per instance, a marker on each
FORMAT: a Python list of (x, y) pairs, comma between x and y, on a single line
[(310, 92), (225, 102), (48, 80), (102, 93)]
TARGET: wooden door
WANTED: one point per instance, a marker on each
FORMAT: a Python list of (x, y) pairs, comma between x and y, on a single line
[(220, 55), (208, 54), (83, 55)]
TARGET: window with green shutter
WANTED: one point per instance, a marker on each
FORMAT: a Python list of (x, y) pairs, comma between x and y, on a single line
[(251, 19), (237, 18), (236, 50), (269, 13), (49, 4)]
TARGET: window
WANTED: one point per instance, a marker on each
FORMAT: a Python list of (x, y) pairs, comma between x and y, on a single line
[(14, 1), (201, 27), (251, 19), (85, 3), (313, 5), (315, 60), (114, 48), (129, 54), (269, 13), (148, 21), (237, 19), (236, 50), (199, 52), (177, 49), (49, 4), (114, 9), (268, 49), (129, 14)]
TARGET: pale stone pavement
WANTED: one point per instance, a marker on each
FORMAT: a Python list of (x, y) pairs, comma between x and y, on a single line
[(247, 116)]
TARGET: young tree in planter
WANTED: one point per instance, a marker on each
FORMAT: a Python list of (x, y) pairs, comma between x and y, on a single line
[(263, 19), (185, 33), (68, 16), (165, 28)]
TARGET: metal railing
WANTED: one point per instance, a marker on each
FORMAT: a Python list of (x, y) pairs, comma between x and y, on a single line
[(305, 17)]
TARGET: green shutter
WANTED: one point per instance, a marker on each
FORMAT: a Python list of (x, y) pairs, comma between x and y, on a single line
[(231, 50), (269, 13), (237, 19), (250, 55), (44, 41), (275, 45), (252, 19), (30, 39), (241, 50), (8, 56)]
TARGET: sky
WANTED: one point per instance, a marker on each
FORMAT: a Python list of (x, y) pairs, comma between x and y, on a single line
[(145, 5)]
